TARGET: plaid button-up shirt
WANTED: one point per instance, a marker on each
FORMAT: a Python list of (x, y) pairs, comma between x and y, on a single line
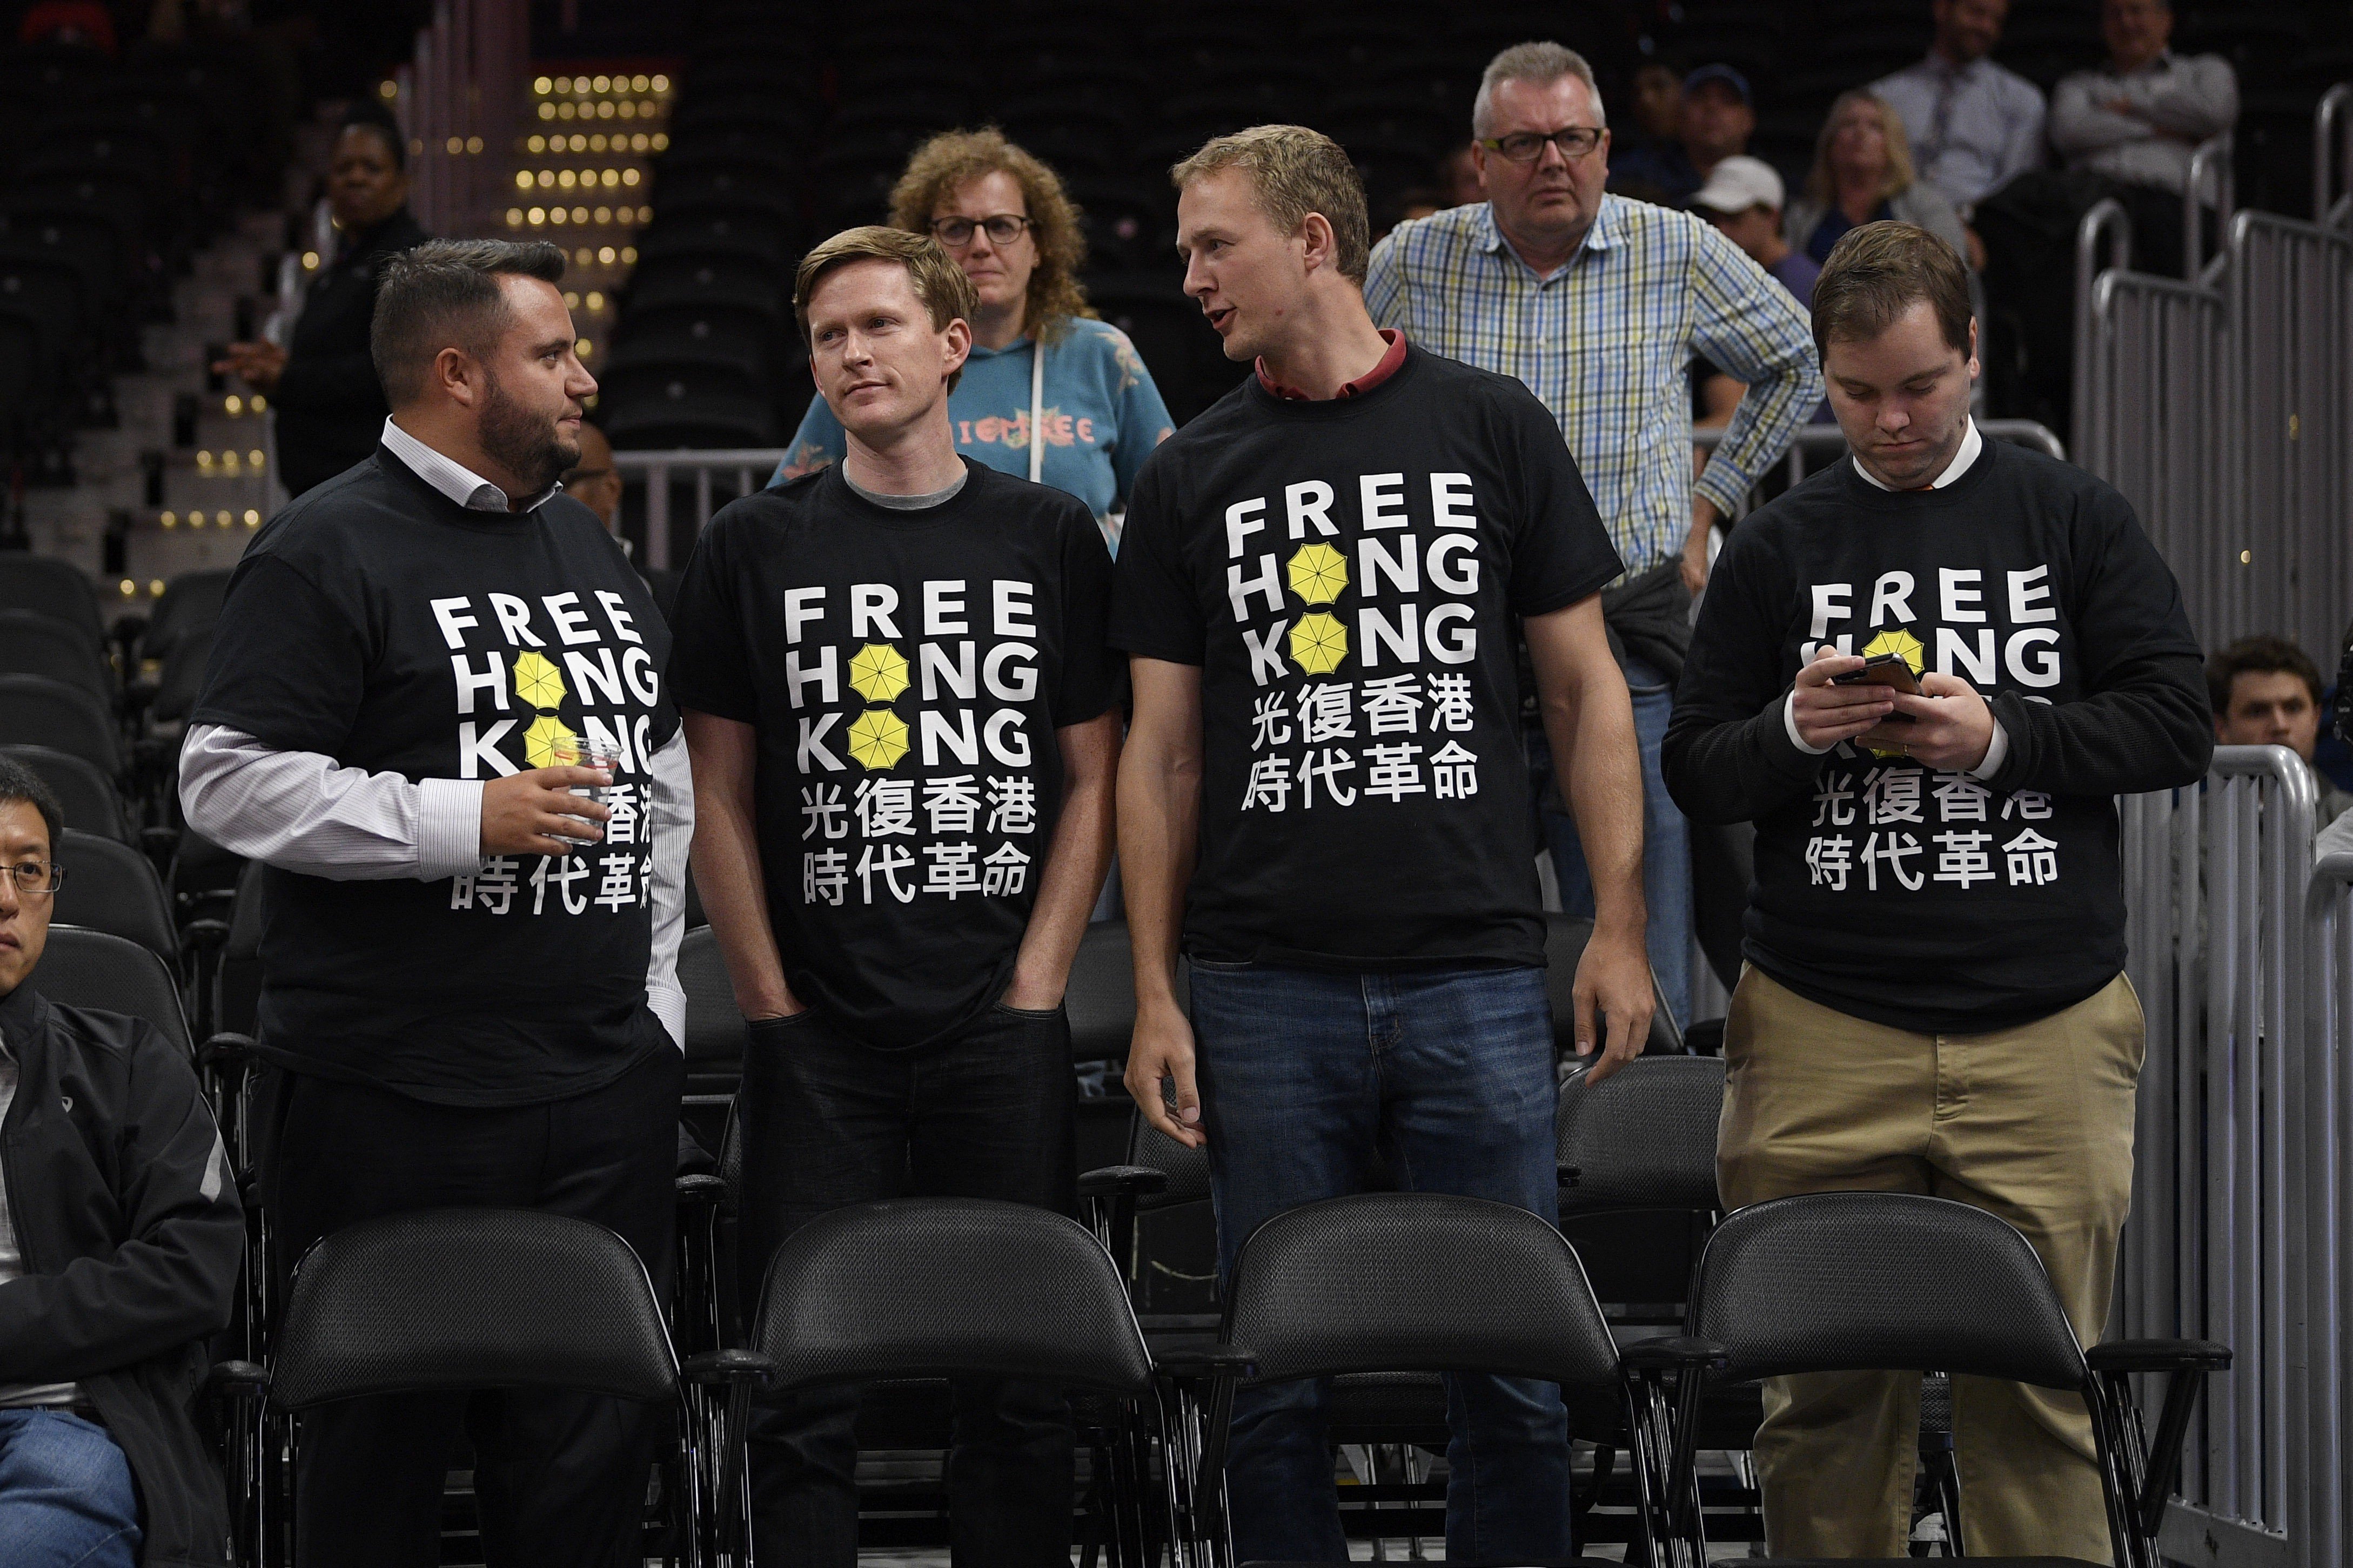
[(1607, 343)]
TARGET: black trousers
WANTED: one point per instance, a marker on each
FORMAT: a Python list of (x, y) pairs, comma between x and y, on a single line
[(828, 1123), (561, 1478)]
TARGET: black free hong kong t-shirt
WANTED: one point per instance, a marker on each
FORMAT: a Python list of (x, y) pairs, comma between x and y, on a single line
[(906, 672), (1346, 575), (380, 623)]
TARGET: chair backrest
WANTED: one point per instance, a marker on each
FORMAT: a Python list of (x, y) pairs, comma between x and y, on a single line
[(1415, 1283), (58, 589), (470, 1298), (1565, 940), (34, 644), (88, 796), (947, 1287), (181, 680), (191, 603), (1188, 1169), (1644, 1138), (84, 968), (111, 886), (38, 712), (715, 1025), (1881, 1282), (1101, 997)]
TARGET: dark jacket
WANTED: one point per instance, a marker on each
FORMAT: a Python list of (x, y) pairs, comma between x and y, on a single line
[(128, 1217), (331, 407)]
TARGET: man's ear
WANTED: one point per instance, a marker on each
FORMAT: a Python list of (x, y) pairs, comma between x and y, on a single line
[(1971, 365), (959, 336), (457, 374), (1318, 245)]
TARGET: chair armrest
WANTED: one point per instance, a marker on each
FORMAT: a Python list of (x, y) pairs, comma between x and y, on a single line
[(1117, 1180), (224, 1050), (204, 935), (702, 1189), (1569, 1175), (727, 1367), (238, 1379), (1205, 1361), (2159, 1355), (1673, 1352)]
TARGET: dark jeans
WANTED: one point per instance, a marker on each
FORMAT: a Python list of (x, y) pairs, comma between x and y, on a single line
[(828, 1123), (65, 1496), (1449, 1075), (561, 1477)]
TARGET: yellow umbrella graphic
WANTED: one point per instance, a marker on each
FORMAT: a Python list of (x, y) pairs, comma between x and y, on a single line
[(878, 737), (548, 743), (1318, 573), (877, 672), (1318, 644), (538, 683), (1898, 641)]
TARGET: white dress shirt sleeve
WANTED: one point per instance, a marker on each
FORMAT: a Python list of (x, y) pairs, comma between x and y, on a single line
[(302, 811), (670, 802)]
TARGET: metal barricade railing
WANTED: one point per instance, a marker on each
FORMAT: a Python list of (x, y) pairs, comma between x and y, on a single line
[(2325, 1258), (460, 101), (2209, 171), (2214, 884), (2332, 158), (715, 477)]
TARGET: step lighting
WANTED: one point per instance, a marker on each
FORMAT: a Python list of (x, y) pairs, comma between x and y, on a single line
[(309, 261), (628, 256), (252, 518), (606, 255), (128, 587), (584, 348), (154, 587), (168, 519), (232, 406), (582, 257), (595, 302)]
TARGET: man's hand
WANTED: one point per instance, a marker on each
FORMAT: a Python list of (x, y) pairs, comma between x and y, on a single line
[(1614, 977), (258, 364), (1950, 726), (535, 813), (1162, 1050), (1694, 563), (1827, 714)]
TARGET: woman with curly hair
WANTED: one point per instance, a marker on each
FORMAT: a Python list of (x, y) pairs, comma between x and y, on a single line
[(1049, 393)]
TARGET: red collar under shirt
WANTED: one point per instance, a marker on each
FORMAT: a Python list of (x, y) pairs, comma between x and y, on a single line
[(1363, 383)]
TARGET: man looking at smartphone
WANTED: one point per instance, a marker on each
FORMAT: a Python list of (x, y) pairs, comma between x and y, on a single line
[(1934, 1000)]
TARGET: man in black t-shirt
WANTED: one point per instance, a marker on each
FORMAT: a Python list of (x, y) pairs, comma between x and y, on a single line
[(1935, 999), (1318, 590), (904, 724), (469, 992)]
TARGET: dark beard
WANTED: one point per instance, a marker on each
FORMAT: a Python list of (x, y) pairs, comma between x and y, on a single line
[(524, 443)]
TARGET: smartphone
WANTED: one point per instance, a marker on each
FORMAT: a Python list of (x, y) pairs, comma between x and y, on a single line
[(1882, 669)]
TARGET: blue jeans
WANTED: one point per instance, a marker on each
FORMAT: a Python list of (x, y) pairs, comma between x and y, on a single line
[(1666, 841), (65, 1498), (1449, 1075)]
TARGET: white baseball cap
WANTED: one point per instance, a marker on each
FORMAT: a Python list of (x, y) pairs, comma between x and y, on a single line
[(1738, 184)]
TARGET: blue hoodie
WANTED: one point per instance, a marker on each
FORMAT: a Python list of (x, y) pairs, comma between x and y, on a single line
[(1103, 416)]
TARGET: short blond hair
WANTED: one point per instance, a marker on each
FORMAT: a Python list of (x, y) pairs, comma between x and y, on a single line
[(1296, 171), (953, 159), (1900, 175), (947, 293)]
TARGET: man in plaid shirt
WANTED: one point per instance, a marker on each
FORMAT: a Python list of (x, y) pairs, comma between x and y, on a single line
[(1599, 304)]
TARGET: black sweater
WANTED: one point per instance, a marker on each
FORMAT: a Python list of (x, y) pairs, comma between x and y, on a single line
[(1931, 900), (331, 407)]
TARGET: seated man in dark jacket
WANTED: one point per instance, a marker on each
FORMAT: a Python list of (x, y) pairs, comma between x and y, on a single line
[(121, 1236)]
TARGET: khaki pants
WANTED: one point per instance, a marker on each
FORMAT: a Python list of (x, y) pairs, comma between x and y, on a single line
[(2034, 1124)]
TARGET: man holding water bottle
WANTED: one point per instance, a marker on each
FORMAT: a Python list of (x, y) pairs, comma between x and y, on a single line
[(471, 942)]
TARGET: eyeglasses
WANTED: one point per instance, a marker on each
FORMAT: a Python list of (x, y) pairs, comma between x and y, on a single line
[(1574, 141), (1003, 228), (38, 878)]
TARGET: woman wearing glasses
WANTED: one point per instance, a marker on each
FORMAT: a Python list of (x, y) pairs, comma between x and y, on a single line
[(1038, 363)]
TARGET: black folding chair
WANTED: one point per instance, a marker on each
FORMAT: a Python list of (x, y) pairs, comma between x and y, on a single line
[(110, 886), (1565, 940), (937, 1288), (32, 643), (1388, 1283), (85, 968), (86, 794), (459, 1300), (59, 590), (1900, 1282), (37, 711)]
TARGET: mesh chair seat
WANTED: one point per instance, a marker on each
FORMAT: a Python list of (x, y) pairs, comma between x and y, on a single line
[(948, 1287), (1565, 940), (1644, 1138), (40, 712), (111, 886), (58, 589), (449, 1299), (1188, 1169), (86, 797), (1833, 1282), (1415, 1283), (83, 968)]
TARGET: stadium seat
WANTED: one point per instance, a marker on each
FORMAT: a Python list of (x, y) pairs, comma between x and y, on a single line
[(454, 1300), (1900, 1282), (652, 342), (714, 1027), (1565, 940), (40, 713), (112, 888), (87, 968), (1385, 1283), (678, 414), (58, 589), (190, 604), (727, 281), (34, 644), (86, 795), (1101, 996)]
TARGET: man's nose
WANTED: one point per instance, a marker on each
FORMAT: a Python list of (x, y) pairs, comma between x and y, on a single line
[(1550, 156)]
